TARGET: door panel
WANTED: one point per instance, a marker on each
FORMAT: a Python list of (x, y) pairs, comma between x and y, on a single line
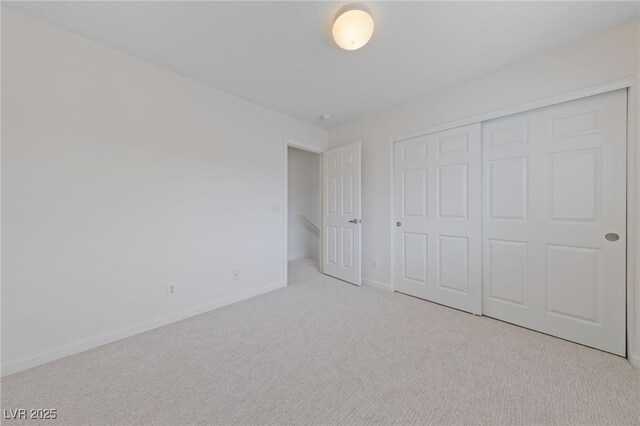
[(453, 268), (341, 213), (555, 185), (416, 258), (437, 204), (507, 188), (507, 270), (452, 191)]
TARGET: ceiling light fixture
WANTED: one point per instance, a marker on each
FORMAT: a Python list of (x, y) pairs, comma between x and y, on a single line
[(353, 27)]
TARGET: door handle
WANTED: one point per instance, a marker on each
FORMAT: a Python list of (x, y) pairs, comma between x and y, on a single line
[(612, 236), (398, 224), (355, 221)]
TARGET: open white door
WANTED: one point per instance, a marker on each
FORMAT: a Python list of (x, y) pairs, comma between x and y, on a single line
[(341, 213)]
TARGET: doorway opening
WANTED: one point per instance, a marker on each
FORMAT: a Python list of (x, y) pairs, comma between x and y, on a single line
[(304, 206)]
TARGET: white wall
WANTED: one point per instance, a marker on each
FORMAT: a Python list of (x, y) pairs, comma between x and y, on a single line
[(303, 204), (600, 58), (119, 177)]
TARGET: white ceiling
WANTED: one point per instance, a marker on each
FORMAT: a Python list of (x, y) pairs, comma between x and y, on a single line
[(280, 54)]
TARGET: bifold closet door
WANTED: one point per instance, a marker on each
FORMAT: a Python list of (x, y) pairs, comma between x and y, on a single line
[(555, 220), (437, 226)]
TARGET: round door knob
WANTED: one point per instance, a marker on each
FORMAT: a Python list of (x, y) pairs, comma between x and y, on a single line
[(398, 224), (612, 236)]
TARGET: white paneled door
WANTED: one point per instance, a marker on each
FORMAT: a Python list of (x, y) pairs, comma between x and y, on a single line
[(342, 213), (437, 229), (555, 220)]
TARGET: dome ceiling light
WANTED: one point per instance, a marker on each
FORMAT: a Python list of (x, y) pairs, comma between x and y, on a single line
[(353, 27)]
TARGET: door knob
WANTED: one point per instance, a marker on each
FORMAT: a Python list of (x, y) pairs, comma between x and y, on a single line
[(355, 221), (612, 236), (398, 224)]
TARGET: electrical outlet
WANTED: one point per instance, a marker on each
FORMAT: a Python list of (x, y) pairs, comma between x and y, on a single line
[(236, 275), (171, 289), (374, 264), (275, 208)]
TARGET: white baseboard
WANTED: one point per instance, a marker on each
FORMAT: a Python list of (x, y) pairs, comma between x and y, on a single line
[(376, 284), (94, 342), (295, 257), (634, 360)]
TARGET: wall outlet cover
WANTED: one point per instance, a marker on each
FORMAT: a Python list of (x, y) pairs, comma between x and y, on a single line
[(171, 289)]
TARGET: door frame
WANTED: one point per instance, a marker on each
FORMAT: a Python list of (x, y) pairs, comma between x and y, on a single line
[(633, 185), (286, 143)]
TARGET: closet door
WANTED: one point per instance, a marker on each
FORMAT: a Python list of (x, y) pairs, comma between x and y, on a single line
[(437, 226), (555, 220)]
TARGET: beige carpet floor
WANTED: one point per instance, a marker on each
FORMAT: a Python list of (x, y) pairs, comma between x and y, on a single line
[(325, 352)]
